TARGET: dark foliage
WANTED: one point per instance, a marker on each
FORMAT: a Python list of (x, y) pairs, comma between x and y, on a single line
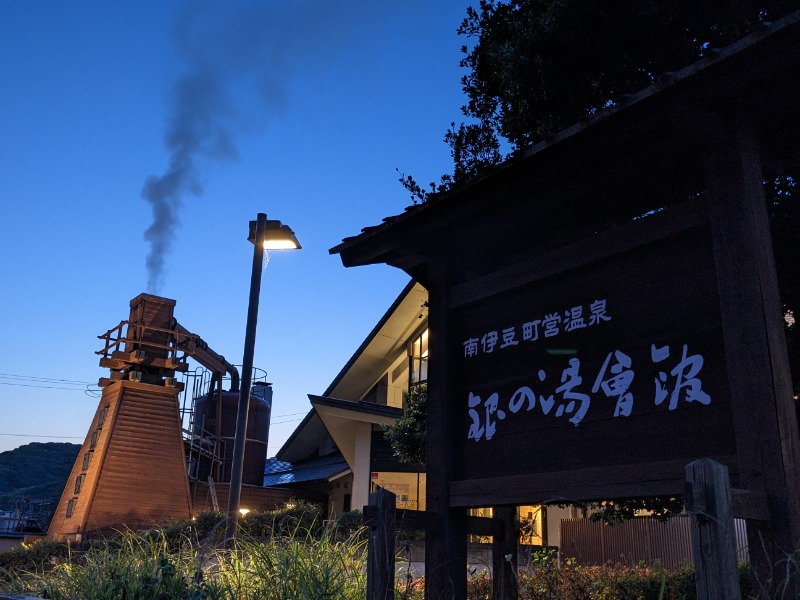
[(349, 524), (612, 512), (35, 471), (297, 518), (33, 557), (783, 197), (538, 66), (407, 435)]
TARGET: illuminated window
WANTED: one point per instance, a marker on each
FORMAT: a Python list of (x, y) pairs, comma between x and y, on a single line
[(79, 483), (408, 488), (530, 525), (486, 512), (71, 506), (418, 356)]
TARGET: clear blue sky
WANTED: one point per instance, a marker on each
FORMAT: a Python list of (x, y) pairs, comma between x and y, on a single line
[(305, 110)]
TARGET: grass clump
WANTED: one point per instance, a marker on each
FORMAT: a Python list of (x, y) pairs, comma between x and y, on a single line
[(294, 567), (148, 566), (280, 554)]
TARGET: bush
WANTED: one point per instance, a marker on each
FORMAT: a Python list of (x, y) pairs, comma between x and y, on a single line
[(294, 519), (32, 557), (351, 523)]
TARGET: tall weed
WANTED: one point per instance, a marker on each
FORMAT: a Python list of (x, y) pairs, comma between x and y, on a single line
[(149, 567)]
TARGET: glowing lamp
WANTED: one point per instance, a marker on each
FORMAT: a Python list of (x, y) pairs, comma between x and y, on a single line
[(275, 236)]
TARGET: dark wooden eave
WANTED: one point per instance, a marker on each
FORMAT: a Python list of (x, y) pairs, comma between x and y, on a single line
[(357, 408), (642, 154)]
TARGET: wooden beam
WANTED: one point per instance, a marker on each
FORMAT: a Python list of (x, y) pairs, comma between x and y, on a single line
[(646, 479), (611, 242)]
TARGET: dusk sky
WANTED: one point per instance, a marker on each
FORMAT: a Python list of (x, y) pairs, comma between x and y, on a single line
[(302, 110)]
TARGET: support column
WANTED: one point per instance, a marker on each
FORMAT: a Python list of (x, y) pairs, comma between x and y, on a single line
[(361, 465), (504, 555), (755, 347), (446, 541)]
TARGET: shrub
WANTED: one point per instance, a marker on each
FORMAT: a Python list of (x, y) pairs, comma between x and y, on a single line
[(32, 557), (350, 523), (294, 519)]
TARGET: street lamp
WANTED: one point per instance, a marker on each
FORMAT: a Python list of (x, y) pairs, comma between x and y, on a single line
[(265, 235)]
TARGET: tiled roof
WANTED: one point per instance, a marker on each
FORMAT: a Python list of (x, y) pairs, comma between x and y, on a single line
[(278, 472)]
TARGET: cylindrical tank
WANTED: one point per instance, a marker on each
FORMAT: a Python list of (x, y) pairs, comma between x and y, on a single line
[(211, 419)]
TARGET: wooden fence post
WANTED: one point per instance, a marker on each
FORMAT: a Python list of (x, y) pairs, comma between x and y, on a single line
[(380, 516), (708, 500), (504, 555)]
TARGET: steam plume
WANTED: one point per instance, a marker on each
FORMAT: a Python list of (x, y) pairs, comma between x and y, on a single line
[(239, 57)]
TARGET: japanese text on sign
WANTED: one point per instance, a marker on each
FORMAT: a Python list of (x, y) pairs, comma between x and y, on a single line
[(548, 326), (677, 381)]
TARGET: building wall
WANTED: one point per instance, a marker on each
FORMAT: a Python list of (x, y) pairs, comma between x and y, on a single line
[(397, 381), (341, 496)]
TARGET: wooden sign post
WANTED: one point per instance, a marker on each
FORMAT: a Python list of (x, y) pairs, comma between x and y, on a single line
[(708, 501), (380, 517)]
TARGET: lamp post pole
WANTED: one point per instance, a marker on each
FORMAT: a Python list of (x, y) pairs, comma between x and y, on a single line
[(240, 436)]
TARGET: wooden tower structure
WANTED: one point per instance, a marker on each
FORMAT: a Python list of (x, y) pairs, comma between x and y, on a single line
[(131, 470)]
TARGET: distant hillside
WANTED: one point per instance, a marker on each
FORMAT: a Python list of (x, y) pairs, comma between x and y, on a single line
[(35, 471)]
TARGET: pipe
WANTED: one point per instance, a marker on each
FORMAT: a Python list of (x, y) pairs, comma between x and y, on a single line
[(198, 349)]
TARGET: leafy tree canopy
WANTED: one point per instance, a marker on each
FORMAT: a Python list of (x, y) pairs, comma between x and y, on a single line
[(535, 67), (36, 471), (538, 66)]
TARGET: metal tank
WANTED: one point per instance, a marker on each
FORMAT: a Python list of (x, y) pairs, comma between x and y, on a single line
[(215, 421)]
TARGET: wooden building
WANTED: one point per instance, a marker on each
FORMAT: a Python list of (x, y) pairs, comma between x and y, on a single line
[(632, 239), (147, 457), (131, 470), (338, 451)]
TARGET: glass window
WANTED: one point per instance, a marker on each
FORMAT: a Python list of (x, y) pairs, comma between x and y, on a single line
[(409, 488), (95, 436), (529, 521), (71, 506), (418, 354), (530, 525), (79, 483), (87, 458)]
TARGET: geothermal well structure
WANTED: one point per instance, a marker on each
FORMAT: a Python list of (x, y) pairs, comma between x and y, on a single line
[(160, 444)]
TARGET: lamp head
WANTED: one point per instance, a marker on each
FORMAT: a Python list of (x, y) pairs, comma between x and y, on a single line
[(277, 236)]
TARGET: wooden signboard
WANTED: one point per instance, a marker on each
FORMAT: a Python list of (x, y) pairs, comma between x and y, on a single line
[(597, 371)]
